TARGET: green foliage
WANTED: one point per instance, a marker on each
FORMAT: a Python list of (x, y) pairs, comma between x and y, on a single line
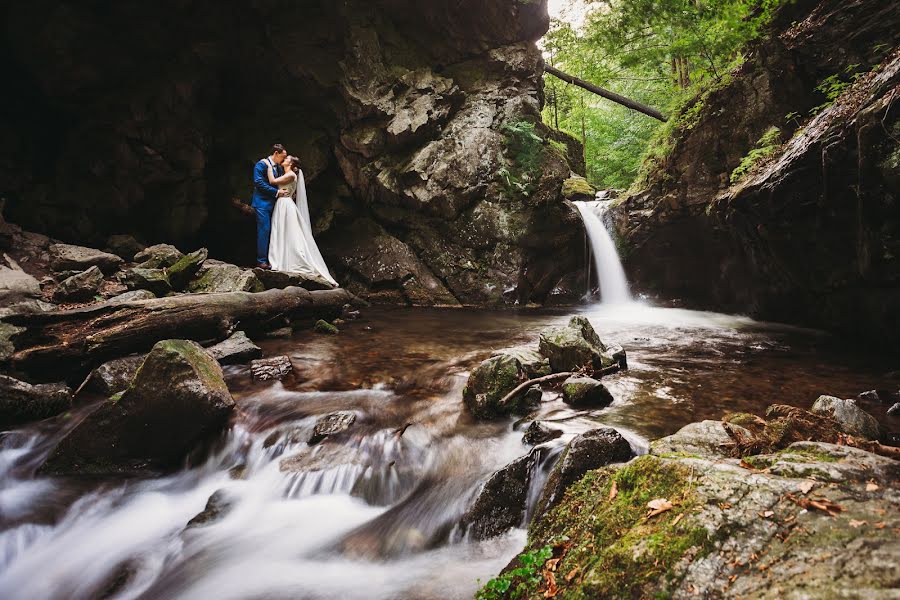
[(526, 577), (524, 151), (663, 53), (834, 85), (765, 147)]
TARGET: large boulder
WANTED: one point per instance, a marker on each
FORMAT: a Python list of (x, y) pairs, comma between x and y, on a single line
[(501, 501), (67, 257), (178, 399), (79, 287), (850, 417), (217, 276), (187, 266), (590, 450), (114, 376), (575, 346), (155, 281), (159, 256), (538, 433), (21, 402), (496, 377), (585, 392), (236, 349)]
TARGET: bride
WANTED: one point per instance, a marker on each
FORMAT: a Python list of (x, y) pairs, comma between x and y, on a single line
[(291, 245)]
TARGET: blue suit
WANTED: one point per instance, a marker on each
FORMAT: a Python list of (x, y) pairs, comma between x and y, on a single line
[(264, 196)]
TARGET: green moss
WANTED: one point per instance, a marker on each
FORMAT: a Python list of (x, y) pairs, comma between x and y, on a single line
[(524, 150), (323, 326), (616, 549), (741, 418), (679, 454), (576, 187), (116, 397), (518, 582), (765, 147), (807, 454)]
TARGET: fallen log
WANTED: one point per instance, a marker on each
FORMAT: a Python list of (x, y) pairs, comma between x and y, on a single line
[(71, 342), (604, 93)]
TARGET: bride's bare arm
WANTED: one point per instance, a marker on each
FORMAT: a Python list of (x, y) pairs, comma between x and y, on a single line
[(279, 180)]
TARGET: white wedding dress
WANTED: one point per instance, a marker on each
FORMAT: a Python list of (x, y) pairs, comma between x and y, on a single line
[(291, 244)]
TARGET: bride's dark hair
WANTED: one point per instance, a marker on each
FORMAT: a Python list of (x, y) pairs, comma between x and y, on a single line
[(295, 162)]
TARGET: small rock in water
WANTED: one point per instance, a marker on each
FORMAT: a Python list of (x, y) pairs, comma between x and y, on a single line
[(538, 433), (575, 346), (281, 332), (532, 396), (323, 326), (500, 505), (115, 375), (585, 392), (236, 349), (850, 417), (217, 508), (330, 425), (894, 411), (275, 367)]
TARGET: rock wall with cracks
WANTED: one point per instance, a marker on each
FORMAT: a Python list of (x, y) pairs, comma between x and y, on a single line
[(144, 119)]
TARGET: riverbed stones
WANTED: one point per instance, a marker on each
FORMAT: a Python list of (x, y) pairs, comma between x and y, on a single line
[(155, 281), (181, 273), (115, 376), (22, 402), (574, 346), (331, 424), (274, 367), (158, 256), (538, 433), (238, 348), (216, 276), (585, 392), (590, 450), (178, 399), (68, 257), (501, 501), (850, 417), (79, 287), (493, 379)]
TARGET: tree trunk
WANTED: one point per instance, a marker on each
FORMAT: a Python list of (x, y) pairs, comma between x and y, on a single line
[(627, 102), (71, 342)]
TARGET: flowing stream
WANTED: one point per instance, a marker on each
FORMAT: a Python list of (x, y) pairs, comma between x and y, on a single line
[(610, 274), (373, 512)]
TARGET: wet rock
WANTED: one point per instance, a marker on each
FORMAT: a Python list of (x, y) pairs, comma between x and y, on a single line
[(158, 256), (177, 400), (704, 438), (490, 382), (577, 188), (585, 392), (883, 396), (330, 425), (894, 411), (574, 346), (590, 450), (323, 326), (531, 360), (538, 433), (217, 508), (850, 417), (115, 376), (501, 502), (79, 288), (131, 296), (275, 367), (22, 402), (155, 281), (187, 266), (532, 396), (124, 246), (66, 257), (281, 279), (217, 276), (236, 349)]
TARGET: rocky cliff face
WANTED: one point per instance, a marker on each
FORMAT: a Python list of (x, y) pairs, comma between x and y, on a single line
[(809, 235), (145, 119)]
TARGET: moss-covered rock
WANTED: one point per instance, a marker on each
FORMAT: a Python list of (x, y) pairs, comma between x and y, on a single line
[(585, 392), (217, 276), (79, 287), (577, 188), (491, 381), (575, 346), (159, 256), (323, 326), (177, 399), (155, 281), (187, 266)]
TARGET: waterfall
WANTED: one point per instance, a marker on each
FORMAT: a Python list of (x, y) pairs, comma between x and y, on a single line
[(611, 275)]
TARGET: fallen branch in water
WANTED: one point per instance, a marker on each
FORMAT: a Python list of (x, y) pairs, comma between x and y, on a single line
[(553, 377)]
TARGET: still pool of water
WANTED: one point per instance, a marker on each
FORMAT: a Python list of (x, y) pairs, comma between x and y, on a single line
[(373, 512)]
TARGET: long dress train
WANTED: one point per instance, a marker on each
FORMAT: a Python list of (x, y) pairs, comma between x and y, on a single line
[(292, 247)]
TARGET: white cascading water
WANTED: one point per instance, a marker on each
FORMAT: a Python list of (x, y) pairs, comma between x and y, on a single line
[(611, 275)]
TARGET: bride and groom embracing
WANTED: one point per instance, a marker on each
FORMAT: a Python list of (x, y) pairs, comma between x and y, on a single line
[(284, 240)]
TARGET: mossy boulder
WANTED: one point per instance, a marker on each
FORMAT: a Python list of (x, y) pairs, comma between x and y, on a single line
[(181, 273), (155, 281), (177, 399), (217, 277), (577, 188), (850, 418), (575, 346), (493, 379), (585, 392), (323, 326), (22, 402), (159, 256), (79, 287)]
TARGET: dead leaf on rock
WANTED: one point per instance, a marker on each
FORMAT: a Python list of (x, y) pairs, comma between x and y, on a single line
[(856, 524), (550, 579), (571, 574), (550, 565), (872, 486), (767, 514), (613, 491), (658, 506), (678, 518)]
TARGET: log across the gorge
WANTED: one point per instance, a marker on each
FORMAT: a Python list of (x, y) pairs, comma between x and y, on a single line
[(627, 102), (70, 342)]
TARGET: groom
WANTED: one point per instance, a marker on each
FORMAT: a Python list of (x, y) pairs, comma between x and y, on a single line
[(264, 196)]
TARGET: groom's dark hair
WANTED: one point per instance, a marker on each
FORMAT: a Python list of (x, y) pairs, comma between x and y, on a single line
[(278, 149)]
